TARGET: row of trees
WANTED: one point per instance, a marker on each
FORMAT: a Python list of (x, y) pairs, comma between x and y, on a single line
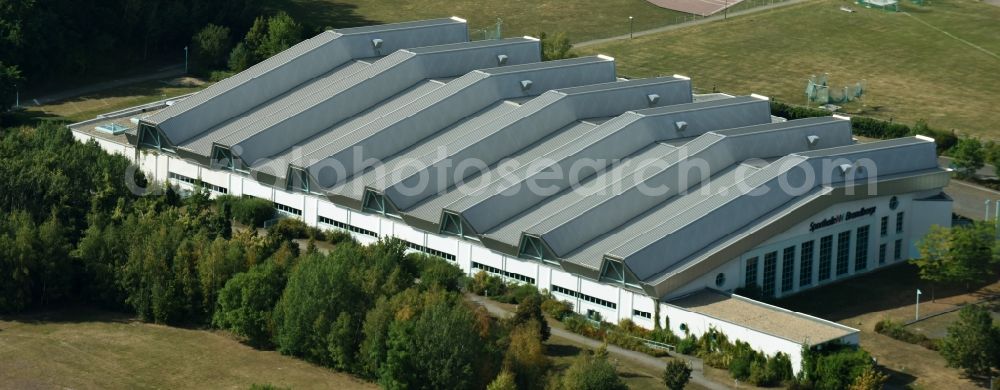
[(214, 49), (373, 311), (93, 37)]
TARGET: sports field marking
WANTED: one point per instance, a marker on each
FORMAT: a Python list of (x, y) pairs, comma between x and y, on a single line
[(973, 45)]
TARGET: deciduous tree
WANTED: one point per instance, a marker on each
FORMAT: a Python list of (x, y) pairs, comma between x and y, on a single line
[(969, 156), (592, 372), (211, 46), (525, 356), (971, 343)]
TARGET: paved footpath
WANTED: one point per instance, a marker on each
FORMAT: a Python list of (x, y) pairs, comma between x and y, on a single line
[(655, 364)]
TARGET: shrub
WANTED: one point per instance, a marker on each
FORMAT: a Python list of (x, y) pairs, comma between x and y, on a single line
[(438, 272), (578, 324), (339, 236), (485, 284), (898, 332), (252, 211), (779, 368), (592, 373), (758, 374), (518, 293), (739, 367), (631, 342), (836, 366), (688, 345), (288, 229), (741, 359), (665, 336), (555, 308), (677, 374)]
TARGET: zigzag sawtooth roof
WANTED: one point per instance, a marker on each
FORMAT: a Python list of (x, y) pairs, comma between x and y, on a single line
[(457, 99), (347, 97), (614, 139), (424, 100), (524, 126), (304, 61)]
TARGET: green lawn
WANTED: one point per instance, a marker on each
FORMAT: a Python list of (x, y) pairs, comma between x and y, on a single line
[(100, 350), (89, 106), (581, 20), (912, 70)]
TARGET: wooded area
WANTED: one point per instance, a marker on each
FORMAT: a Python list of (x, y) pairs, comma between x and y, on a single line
[(43, 42)]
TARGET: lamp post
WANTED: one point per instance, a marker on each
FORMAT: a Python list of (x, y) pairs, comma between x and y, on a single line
[(17, 96), (185, 59), (630, 20), (917, 315), (996, 217)]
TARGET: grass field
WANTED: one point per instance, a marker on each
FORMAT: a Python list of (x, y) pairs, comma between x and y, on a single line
[(100, 350), (90, 105), (938, 63), (581, 20)]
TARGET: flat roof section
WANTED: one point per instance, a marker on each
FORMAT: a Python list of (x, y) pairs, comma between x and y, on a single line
[(775, 321)]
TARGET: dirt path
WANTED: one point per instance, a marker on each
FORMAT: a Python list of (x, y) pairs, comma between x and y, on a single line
[(652, 363)]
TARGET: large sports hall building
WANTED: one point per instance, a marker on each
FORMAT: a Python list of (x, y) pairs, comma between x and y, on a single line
[(631, 199)]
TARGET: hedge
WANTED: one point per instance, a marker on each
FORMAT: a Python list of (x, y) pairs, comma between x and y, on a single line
[(869, 127)]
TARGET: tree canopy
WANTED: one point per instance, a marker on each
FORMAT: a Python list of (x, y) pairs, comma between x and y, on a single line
[(964, 254), (972, 341)]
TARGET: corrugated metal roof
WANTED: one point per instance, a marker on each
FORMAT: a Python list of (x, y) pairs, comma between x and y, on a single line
[(229, 83), (615, 193), (643, 266), (430, 209), (509, 232), (294, 155), (461, 97), (202, 143), (511, 195), (591, 255), (326, 94), (290, 68), (411, 158), (348, 96), (593, 215), (533, 121)]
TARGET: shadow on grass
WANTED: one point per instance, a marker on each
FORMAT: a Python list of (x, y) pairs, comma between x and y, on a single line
[(898, 379), (319, 15), (561, 350), (69, 315), (887, 288), (29, 118), (629, 374), (145, 88)]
